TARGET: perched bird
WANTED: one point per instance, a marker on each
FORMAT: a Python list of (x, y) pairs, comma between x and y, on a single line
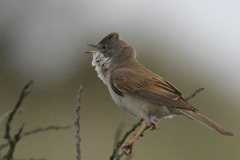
[(139, 91)]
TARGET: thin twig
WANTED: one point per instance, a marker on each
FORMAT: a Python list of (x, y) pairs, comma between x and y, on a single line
[(44, 129), (116, 138), (77, 124), (118, 133), (119, 144), (123, 150), (194, 94), (5, 115), (13, 141), (37, 130), (31, 159)]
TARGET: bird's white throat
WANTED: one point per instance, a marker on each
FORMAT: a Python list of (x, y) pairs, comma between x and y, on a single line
[(101, 64)]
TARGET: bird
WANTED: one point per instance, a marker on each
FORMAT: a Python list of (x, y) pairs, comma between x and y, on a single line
[(137, 90)]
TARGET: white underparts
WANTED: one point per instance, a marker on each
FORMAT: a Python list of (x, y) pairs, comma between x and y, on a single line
[(101, 64)]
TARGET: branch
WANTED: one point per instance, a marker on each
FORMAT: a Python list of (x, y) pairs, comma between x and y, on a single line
[(30, 159), (118, 133), (119, 144), (194, 94), (77, 124), (13, 141), (37, 130), (44, 129), (5, 115)]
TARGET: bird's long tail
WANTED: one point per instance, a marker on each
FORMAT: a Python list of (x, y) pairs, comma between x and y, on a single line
[(205, 121)]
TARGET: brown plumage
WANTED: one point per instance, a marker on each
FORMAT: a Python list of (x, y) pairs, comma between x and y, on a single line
[(148, 86), (155, 89), (206, 121), (137, 90)]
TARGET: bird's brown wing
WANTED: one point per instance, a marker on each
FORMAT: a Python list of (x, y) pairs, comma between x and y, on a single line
[(149, 87)]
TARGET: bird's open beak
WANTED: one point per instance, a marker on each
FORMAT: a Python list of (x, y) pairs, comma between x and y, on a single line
[(91, 45)]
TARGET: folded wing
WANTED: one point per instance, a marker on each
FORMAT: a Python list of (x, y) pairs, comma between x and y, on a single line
[(149, 87)]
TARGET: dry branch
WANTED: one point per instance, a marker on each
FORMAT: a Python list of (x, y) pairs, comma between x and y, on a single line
[(37, 130), (5, 115), (13, 141), (77, 124), (119, 144), (192, 95)]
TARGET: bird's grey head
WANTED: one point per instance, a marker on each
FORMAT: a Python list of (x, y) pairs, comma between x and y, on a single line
[(107, 45), (111, 45), (112, 52)]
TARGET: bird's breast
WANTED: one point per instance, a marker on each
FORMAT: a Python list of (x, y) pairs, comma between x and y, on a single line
[(101, 64)]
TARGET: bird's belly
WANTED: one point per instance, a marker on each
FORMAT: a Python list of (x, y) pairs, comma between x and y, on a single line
[(139, 108), (131, 106)]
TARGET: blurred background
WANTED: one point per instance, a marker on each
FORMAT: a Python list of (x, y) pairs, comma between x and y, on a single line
[(190, 43)]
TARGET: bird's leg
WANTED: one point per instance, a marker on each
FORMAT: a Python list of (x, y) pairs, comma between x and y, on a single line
[(130, 143)]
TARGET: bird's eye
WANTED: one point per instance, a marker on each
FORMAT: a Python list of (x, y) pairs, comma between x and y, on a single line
[(104, 47)]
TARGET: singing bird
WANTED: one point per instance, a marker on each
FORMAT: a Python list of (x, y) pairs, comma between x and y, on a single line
[(137, 90)]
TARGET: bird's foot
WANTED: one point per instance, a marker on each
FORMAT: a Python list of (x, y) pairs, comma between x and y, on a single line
[(128, 144), (154, 127)]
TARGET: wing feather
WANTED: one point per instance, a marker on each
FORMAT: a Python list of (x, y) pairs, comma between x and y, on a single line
[(149, 87)]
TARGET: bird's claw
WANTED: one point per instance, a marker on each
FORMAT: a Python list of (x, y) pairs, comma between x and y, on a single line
[(154, 127), (128, 144)]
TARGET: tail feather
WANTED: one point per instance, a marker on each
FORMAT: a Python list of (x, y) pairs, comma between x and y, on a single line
[(205, 121)]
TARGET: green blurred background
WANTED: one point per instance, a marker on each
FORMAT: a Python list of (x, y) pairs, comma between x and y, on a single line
[(190, 43)]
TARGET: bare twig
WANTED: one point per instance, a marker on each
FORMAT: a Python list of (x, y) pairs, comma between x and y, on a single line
[(119, 144), (5, 115), (31, 159), (36, 130), (118, 133), (13, 141), (77, 124), (121, 153), (194, 94), (44, 129)]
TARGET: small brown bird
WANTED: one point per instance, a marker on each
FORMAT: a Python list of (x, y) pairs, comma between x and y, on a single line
[(139, 91)]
